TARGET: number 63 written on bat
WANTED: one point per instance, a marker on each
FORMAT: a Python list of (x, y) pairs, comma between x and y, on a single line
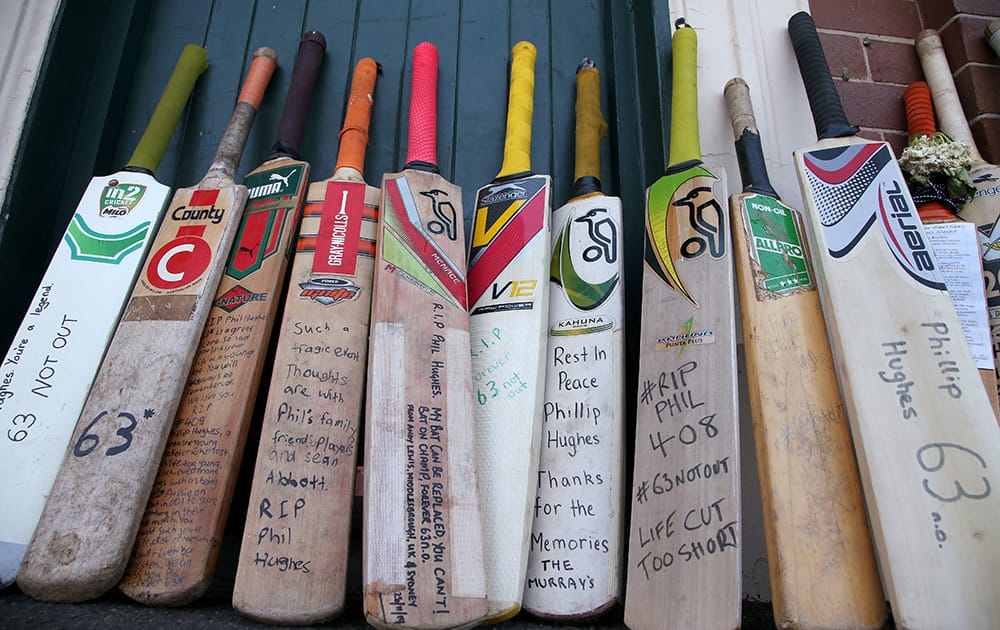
[(932, 457), (88, 442)]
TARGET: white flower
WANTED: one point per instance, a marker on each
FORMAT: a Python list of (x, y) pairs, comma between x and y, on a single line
[(937, 154)]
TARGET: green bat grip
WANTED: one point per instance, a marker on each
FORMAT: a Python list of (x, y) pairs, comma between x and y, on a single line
[(156, 138), (684, 145)]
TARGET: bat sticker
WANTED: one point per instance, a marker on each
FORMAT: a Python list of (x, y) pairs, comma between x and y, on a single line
[(589, 282)]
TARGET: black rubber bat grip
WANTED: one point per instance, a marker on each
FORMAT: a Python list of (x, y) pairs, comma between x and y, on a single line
[(293, 117), (827, 110)]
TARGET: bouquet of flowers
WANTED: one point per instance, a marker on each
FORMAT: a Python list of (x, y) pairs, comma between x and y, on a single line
[(937, 169)]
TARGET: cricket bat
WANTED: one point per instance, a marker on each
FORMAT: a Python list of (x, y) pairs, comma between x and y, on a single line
[(684, 542), (293, 570), (90, 520), (584, 345), (189, 502), (922, 426), (956, 245), (821, 561), (508, 293), (984, 209), (56, 352), (423, 549)]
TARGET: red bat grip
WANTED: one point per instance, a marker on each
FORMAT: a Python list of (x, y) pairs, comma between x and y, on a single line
[(422, 142), (919, 109)]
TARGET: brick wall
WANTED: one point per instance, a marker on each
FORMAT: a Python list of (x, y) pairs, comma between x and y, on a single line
[(869, 45)]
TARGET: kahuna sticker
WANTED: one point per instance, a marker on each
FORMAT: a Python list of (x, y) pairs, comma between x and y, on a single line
[(683, 220), (855, 186), (775, 243)]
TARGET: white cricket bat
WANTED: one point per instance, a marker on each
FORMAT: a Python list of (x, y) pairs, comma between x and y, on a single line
[(923, 430), (423, 549), (585, 345), (294, 570), (508, 294), (684, 545), (88, 526), (56, 352)]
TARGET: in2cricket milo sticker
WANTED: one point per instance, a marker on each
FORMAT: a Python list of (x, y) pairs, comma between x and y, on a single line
[(857, 185), (118, 199), (775, 241)]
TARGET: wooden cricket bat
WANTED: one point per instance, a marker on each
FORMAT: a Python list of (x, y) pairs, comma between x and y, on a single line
[(984, 209), (423, 550), (56, 352), (820, 557), (585, 346), (293, 561), (508, 293), (86, 531), (923, 429), (684, 543), (188, 505), (956, 245)]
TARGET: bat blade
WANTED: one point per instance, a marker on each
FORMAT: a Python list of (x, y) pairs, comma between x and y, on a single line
[(923, 430), (201, 459), (57, 350), (584, 345), (684, 544), (89, 523), (316, 393), (984, 209), (817, 535), (423, 560), (508, 296)]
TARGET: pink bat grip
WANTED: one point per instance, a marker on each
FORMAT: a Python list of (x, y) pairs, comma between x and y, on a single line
[(422, 144)]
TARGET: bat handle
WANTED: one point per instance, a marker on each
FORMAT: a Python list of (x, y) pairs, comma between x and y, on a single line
[(684, 144), (919, 109), (520, 107), (422, 140), (227, 157), (153, 144), (749, 152), (827, 110), (590, 128), (939, 78), (920, 120), (300, 91), (354, 135)]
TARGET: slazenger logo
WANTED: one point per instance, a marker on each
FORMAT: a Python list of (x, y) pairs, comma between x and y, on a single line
[(237, 297), (987, 191), (504, 192), (904, 234), (276, 183), (329, 291)]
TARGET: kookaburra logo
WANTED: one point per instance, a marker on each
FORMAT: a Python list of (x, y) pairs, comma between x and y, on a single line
[(707, 220), (445, 219), (503, 193), (603, 234)]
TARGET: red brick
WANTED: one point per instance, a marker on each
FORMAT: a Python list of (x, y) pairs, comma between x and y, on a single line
[(896, 139), (894, 63), (935, 12), (882, 17), (846, 55), (986, 133), (964, 41), (877, 105), (977, 89)]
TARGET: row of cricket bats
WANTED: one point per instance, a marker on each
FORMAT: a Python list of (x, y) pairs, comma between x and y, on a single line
[(493, 377)]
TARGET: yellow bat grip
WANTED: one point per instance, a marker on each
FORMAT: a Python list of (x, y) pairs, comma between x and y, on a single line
[(684, 143), (517, 144), (590, 124)]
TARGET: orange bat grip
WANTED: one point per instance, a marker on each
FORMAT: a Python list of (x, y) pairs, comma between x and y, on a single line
[(354, 135)]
